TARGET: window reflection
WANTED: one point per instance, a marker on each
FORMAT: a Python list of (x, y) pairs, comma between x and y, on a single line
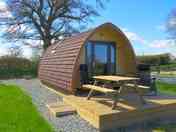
[(100, 58)]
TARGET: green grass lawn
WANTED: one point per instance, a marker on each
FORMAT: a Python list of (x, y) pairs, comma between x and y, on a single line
[(166, 88), (17, 112)]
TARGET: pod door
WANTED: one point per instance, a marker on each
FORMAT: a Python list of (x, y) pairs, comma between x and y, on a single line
[(100, 58)]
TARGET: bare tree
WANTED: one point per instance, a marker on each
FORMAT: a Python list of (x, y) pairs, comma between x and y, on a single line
[(48, 20), (15, 51)]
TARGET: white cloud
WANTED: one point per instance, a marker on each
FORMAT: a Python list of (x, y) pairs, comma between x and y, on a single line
[(161, 27), (2, 4), (165, 43), (134, 37), (160, 43), (152, 47), (3, 28), (27, 51), (3, 51), (172, 22), (5, 13)]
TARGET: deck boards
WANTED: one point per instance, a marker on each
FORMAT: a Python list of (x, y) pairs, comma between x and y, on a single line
[(98, 112)]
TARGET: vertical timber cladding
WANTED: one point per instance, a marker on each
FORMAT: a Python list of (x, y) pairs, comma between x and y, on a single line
[(59, 66)]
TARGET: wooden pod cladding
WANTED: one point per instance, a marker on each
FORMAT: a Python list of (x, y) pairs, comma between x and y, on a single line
[(59, 65)]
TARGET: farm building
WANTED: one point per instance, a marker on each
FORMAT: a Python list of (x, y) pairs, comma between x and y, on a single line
[(104, 50)]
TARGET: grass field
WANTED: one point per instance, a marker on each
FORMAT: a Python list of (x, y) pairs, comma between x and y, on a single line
[(166, 88), (17, 112)]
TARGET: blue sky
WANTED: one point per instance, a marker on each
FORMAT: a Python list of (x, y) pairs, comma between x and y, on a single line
[(143, 21)]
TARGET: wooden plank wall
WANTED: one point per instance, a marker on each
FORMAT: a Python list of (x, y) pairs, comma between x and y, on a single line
[(58, 62)]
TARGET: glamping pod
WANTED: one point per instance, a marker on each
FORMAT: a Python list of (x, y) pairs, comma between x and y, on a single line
[(103, 50)]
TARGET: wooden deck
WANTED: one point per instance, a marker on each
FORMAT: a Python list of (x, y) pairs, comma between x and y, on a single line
[(98, 112)]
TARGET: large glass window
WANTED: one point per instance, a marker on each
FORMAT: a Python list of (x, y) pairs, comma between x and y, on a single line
[(100, 58)]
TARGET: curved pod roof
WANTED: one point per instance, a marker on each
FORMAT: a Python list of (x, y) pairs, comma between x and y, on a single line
[(59, 66)]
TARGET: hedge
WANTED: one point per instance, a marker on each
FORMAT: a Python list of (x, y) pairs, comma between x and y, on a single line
[(156, 60), (16, 67)]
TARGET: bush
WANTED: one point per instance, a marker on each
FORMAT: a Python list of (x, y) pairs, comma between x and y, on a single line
[(17, 67)]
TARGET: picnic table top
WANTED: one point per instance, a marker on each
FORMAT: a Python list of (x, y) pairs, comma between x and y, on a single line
[(115, 78)]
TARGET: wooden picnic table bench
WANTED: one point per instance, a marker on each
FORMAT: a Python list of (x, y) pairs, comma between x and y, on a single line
[(124, 81), (108, 92), (138, 86), (99, 88)]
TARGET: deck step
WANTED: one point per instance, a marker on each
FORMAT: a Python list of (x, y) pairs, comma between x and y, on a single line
[(61, 109)]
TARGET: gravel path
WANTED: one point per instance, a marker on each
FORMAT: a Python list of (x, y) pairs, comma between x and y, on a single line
[(41, 96)]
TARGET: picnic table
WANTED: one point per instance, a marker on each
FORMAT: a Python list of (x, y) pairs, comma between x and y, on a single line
[(122, 80), (115, 78)]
